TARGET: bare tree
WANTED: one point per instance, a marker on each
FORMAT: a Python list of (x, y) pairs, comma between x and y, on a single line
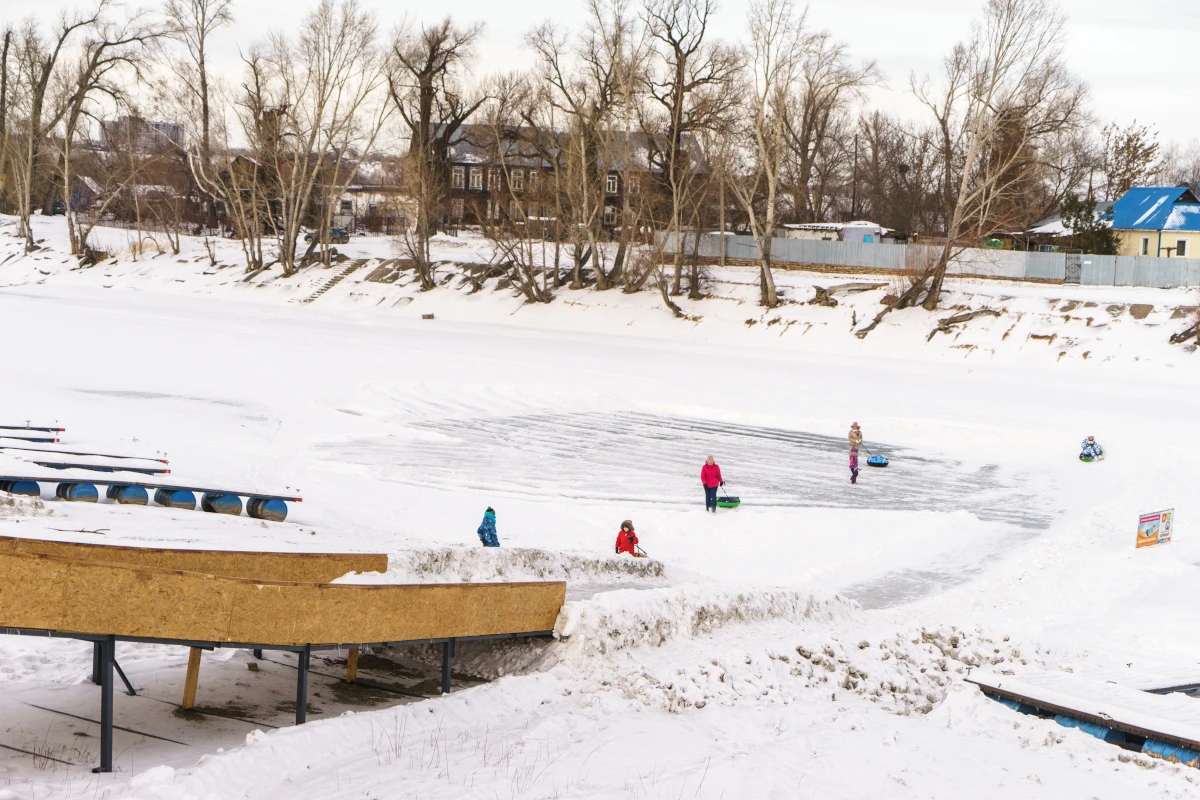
[(425, 86), (39, 73), (517, 247), (818, 111), (5, 105), (1181, 164), (1010, 93), (589, 80), (109, 61), (192, 23), (774, 57), (690, 88), (1130, 156), (320, 104)]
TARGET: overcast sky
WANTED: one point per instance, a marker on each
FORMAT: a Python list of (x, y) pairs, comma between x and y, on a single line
[(1137, 57)]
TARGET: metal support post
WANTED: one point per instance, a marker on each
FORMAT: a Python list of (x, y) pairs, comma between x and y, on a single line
[(96, 663), (107, 650), (301, 686), (256, 653), (447, 660), (128, 686)]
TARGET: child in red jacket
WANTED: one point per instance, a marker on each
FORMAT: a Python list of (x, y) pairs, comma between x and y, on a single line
[(626, 539), (710, 476)]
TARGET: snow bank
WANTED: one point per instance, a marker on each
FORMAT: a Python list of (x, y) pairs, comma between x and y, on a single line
[(477, 564), (625, 619), (16, 505)]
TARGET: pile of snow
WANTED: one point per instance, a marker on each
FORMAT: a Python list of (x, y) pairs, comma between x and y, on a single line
[(18, 505), (476, 565)]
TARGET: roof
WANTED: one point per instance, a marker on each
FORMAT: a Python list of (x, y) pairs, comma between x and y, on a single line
[(1157, 208), (1054, 225), (832, 226)]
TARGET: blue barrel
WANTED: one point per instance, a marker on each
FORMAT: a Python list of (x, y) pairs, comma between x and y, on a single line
[(175, 498), (129, 495), (269, 508), (77, 492), (220, 503), (29, 488)]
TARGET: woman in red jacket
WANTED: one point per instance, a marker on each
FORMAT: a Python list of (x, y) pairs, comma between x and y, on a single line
[(626, 539), (710, 476)]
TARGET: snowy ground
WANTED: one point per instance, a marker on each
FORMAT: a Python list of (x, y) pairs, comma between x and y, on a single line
[(812, 643)]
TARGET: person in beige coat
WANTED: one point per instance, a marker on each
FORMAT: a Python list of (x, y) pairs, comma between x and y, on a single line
[(855, 437)]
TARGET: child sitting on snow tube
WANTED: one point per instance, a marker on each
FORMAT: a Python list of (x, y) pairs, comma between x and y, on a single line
[(1092, 451)]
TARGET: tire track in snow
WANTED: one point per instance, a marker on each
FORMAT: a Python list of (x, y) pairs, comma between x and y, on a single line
[(651, 458)]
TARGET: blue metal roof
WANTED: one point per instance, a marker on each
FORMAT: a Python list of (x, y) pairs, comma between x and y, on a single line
[(1157, 208)]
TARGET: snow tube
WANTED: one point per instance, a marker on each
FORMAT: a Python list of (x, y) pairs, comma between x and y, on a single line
[(877, 461), (728, 502), (220, 503), (129, 495), (77, 492), (29, 488), (268, 508), (175, 498)]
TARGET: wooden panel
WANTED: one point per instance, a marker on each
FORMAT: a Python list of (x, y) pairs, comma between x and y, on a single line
[(56, 593), (300, 567)]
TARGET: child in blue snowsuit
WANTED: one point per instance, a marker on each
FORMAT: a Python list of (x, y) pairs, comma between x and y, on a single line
[(1091, 448), (487, 529)]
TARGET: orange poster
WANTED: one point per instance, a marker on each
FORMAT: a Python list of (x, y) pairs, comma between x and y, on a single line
[(1155, 528)]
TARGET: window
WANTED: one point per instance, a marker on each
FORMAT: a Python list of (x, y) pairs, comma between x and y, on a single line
[(1145, 245), (633, 183), (494, 178), (373, 210), (457, 177), (516, 179), (611, 186), (514, 211), (610, 215), (456, 208), (476, 178), (533, 179), (347, 208), (1181, 248)]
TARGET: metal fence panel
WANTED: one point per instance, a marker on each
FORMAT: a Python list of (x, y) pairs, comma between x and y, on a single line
[(990, 263), (1098, 271), (1046, 266), (1162, 273)]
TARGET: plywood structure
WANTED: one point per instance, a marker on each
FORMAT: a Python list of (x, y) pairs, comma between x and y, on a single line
[(50, 592), (300, 567)]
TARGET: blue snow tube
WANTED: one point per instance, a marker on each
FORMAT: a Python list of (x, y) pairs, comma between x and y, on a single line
[(77, 492), (271, 509), (28, 488), (129, 495), (877, 461), (175, 498), (221, 503)]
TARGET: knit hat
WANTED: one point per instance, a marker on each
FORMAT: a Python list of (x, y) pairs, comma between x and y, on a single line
[(490, 510), (853, 424)]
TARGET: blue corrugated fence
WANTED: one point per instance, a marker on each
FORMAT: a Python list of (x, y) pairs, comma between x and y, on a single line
[(1159, 273)]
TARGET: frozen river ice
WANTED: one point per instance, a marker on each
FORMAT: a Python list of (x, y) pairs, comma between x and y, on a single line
[(648, 458)]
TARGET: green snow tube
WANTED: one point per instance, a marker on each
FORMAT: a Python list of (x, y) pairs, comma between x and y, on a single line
[(728, 502)]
